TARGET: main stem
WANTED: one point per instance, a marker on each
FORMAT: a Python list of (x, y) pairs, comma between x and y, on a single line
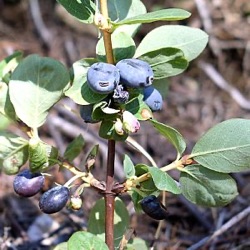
[(109, 195)]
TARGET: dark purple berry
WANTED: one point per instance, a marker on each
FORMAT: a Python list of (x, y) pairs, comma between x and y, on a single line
[(152, 98), (54, 199), (153, 208), (27, 184), (135, 73), (102, 77)]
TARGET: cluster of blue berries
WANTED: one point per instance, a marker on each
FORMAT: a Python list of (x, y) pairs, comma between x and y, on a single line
[(119, 79)]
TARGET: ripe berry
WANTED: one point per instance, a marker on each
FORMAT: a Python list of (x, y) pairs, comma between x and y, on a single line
[(54, 199), (27, 184), (153, 98), (153, 208), (102, 77), (86, 113), (135, 73)]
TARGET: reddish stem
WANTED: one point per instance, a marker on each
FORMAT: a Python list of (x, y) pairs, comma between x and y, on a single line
[(110, 197)]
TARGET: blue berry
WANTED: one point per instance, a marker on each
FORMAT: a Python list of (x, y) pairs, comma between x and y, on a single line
[(153, 208), (102, 77), (86, 113), (153, 98), (27, 184), (54, 199), (135, 73)]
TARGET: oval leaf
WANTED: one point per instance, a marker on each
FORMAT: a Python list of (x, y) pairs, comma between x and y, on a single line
[(6, 107), (81, 9), (120, 10), (205, 187), (86, 241), (225, 147), (129, 167), (191, 41), (8, 64), (10, 144), (96, 224), (13, 152), (172, 135), (166, 62), (36, 85), (74, 148), (163, 181), (159, 15), (123, 47)]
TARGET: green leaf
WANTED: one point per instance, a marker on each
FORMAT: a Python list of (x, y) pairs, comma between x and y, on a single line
[(6, 107), (61, 246), (137, 244), (191, 41), (107, 131), (4, 122), (174, 137), (129, 167), (80, 92), (13, 152), (225, 147), (138, 108), (123, 47), (147, 187), (87, 241), (36, 85), (83, 10), (162, 85), (96, 223), (8, 64), (120, 10), (165, 62), (159, 15), (74, 148), (101, 111), (10, 144), (41, 155), (163, 181), (208, 188), (12, 164)]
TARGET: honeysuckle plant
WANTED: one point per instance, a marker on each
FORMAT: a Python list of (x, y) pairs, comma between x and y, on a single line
[(30, 86)]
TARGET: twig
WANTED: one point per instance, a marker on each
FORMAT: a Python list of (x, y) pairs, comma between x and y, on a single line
[(38, 22), (228, 225), (217, 78), (238, 217), (204, 14), (130, 141), (56, 135)]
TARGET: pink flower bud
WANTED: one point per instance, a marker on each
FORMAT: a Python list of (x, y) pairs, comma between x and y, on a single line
[(130, 123)]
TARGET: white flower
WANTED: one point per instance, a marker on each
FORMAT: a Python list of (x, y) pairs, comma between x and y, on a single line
[(119, 127)]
